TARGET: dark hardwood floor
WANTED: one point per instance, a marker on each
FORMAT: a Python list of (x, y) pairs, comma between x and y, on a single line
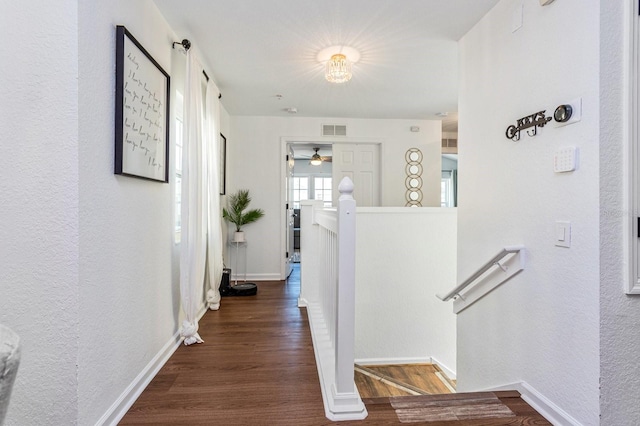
[(257, 367)]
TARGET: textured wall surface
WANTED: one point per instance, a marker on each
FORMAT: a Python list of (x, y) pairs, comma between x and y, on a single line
[(39, 193), (129, 304), (620, 314), (542, 327)]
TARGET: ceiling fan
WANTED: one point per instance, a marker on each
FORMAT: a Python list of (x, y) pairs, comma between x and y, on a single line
[(316, 159)]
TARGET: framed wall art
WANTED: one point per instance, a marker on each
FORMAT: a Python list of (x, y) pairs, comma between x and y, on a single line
[(223, 164), (142, 112)]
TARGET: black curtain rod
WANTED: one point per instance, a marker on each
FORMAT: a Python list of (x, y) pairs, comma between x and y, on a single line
[(186, 45)]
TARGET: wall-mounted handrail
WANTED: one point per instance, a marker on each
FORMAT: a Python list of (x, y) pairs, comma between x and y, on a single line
[(495, 261)]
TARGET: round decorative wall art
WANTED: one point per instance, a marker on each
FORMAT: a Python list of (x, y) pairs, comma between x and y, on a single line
[(413, 182)]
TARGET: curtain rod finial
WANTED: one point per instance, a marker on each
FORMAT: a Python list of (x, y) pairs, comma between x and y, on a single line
[(186, 44)]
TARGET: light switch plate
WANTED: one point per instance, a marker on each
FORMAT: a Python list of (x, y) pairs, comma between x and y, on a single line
[(563, 233), (516, 17), (565, 159)]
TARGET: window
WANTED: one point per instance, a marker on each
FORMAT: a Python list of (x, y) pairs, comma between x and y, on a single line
[(300, 190), (322, 190), (446, 189), (178, 166), (311, 188)]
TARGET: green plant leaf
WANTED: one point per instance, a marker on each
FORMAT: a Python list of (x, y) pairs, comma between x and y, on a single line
[(234, 212)]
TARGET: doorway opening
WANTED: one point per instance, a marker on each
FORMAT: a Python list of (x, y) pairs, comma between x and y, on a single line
[(357, 158), (311, 180)]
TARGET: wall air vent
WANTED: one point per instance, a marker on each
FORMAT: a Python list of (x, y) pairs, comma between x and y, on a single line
[(449, 146), (334, 130)]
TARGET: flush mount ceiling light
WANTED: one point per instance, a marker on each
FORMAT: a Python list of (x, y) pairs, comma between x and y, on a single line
[(338, 69), (337, 61)]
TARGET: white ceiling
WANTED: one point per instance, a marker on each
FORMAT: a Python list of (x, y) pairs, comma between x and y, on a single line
[(257, 49)]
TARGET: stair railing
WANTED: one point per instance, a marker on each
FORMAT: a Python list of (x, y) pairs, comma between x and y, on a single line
[(496, 263), (331, 306)]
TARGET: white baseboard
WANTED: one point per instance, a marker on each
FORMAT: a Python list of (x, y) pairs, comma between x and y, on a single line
[(392, 361), (449, 372), (550, 411), (119, 408), (256, 277), (395, 361)]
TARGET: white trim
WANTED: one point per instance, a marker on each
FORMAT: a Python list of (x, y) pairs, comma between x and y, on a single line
[(403, 361), (119, 408), (449, 372), (271, 276), (336, 407), (407, 210), (630, 141), (393, 361), (540, 403)]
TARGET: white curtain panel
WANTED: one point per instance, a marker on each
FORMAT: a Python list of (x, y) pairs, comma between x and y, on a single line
[(194, 207), (214, 240)]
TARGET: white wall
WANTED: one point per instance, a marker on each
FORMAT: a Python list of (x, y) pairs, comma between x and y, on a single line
[(543, 326), (256, 150), (620, 314), (39, 226), (87, 277), (404, 257), (128, 302)]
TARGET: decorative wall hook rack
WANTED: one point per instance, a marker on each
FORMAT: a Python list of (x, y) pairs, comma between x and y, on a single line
[(533, 121)]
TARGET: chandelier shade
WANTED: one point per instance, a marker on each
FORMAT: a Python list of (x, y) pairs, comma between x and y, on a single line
[(338, 69)]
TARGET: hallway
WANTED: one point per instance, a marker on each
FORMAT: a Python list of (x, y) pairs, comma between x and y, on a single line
[(257, 367)]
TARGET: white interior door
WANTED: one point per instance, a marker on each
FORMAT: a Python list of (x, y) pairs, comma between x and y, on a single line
[(361, 162)]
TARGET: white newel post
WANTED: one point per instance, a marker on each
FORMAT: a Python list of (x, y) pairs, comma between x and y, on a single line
[(328, 291), (345, 318)]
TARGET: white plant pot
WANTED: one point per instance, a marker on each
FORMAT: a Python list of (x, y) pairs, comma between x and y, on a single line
[(238, 237)]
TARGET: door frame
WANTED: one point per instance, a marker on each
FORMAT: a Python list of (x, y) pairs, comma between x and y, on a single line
[(285, 141), (631, 140)]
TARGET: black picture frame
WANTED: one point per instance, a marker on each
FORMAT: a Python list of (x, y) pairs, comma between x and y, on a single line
[(223, 164), (142, 112)]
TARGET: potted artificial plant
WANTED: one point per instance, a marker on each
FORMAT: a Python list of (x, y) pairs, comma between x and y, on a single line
[(235, 212)]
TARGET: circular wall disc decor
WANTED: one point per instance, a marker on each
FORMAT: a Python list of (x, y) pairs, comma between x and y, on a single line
[(414, 170), (413, 182)]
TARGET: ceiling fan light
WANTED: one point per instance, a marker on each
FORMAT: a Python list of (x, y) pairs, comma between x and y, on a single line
[(338, 69), (316, 160)]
